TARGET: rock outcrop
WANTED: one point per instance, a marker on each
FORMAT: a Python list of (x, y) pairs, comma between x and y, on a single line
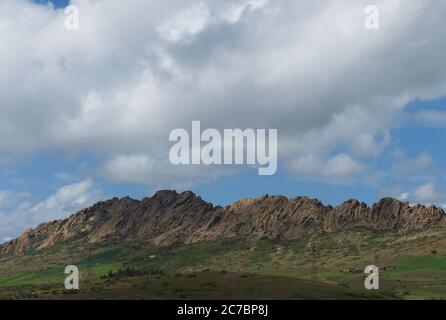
[(168, 218)]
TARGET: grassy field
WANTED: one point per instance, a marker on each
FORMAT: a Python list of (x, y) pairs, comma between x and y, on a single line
[(324, 266)]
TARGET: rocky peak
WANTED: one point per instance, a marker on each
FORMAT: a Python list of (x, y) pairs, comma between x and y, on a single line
[(165, 196), (169, 217)]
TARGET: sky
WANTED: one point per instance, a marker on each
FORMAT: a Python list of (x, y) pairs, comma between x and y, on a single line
[(86, 114)]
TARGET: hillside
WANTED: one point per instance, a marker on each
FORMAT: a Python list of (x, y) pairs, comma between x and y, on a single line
[(170, 218)]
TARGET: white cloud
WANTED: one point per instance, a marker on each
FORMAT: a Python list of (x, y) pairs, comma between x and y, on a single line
[(4, 194), (10, 198), (338, 168), (404, 196), (431, 118), (132, 73), (236, 11), (186, 23), (66, 200), (154, 171), (413, 166), (427, 193), (343, 164), (125, 168)]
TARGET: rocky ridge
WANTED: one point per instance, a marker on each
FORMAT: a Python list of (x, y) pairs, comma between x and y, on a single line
[(169, 217)]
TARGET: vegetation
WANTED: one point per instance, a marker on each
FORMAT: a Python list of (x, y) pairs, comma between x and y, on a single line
[(324, 266)]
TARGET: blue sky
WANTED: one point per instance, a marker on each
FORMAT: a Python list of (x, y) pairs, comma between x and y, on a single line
[(86, 113), (44, 173), (57, 3)]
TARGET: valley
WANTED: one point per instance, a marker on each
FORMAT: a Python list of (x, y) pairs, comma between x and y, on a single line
[(313, 267), (177, 246)]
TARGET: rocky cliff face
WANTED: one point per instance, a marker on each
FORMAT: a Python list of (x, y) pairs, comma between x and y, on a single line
[(169, 217)]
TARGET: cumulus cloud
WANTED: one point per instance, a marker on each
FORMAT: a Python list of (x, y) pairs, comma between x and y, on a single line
[(154, 171), (427, 193), (4, 195), (68, 199), (338, 168), (186, 23), (132, 73), (64, 201), (404, 196), (413, 166), (431, 118)]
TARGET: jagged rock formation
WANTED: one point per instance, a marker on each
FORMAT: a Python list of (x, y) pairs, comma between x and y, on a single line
[(169, 217)]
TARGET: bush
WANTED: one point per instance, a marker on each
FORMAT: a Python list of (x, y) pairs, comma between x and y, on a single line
[(123, 273)]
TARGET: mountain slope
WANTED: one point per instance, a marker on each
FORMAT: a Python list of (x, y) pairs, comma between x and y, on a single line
[(168, 218)]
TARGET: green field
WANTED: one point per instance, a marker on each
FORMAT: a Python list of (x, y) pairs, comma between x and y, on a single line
[(323, 266)]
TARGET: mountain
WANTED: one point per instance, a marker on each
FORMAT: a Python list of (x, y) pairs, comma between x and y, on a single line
[(169, 218)]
